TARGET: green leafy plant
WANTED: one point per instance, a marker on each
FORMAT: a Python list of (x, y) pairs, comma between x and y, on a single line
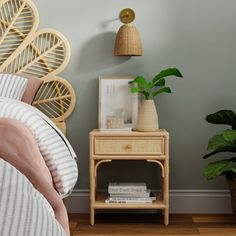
[(224, 142), (150, 89)]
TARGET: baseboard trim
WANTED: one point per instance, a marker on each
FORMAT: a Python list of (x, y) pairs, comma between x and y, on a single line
[(181, 201)]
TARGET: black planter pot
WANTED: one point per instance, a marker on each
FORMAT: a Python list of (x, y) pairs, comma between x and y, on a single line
[(231, 178)]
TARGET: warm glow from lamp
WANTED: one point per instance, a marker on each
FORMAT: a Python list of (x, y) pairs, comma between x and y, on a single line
[(128, 41)]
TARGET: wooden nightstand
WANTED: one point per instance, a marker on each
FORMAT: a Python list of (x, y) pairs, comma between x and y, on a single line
[(106, 146)]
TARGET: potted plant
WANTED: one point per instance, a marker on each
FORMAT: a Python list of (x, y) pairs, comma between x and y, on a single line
[(226, 143), (147, 116)]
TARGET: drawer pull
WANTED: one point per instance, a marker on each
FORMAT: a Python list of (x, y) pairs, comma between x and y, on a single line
[(128, 147)]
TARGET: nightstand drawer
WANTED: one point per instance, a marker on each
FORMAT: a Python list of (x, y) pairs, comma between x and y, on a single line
[(128, 145)]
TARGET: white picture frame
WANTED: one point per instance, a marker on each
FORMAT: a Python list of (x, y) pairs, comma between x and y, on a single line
[(117, 103)]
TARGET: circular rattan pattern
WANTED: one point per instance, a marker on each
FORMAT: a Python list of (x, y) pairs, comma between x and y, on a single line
[(56, 99)]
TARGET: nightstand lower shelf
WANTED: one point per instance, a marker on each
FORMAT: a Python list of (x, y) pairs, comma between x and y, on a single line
[(100, 204)]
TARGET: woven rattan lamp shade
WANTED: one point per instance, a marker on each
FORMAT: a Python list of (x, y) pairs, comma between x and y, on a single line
[(128, 41)]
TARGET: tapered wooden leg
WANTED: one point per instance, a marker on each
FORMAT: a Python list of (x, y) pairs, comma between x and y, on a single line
[(92, 191), (92, 182), (166, 216), (92, 216), (166, 191)]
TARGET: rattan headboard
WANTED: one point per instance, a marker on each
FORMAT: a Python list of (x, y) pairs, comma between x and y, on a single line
[(41, 53)]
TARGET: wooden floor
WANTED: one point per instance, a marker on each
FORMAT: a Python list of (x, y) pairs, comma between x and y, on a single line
[(150, 225)]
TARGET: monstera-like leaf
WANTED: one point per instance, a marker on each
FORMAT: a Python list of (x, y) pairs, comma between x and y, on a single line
[(226, 117), (218, 168), (224, 142)]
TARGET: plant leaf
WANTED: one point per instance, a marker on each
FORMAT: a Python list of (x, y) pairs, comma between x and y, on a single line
[(218, 142), (227, 117), (167, 72), (140, 81), (134, 90), (230, 136), (233, 169), (162, 90), (215, 169), (222, 142), (160, 82), (146, 94), (138, 90), (151, 85)]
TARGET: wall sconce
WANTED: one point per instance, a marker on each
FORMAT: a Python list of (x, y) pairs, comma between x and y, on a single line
[(128, 41)]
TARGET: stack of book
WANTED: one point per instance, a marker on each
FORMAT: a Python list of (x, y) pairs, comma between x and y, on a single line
[(129, 193)]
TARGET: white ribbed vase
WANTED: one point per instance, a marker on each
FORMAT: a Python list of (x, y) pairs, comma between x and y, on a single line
[(147, 117)]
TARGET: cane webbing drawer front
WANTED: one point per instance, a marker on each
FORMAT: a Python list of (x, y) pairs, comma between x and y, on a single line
[(129, 145)]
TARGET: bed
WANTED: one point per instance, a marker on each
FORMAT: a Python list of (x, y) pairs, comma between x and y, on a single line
[(37, 163)]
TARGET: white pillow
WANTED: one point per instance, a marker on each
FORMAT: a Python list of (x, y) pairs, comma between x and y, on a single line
[(12, 86)]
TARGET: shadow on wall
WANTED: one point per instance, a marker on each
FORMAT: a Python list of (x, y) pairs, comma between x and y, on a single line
[(97, 54)]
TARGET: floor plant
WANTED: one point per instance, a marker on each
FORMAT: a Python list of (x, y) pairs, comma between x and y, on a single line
[(224, 142)]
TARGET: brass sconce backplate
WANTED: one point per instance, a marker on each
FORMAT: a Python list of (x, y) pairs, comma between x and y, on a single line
[(127, 15)]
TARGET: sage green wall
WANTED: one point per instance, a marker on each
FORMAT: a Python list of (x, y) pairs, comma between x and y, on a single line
[(197, 36)]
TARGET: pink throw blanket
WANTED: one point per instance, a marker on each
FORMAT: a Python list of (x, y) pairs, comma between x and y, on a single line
[(19, 148)]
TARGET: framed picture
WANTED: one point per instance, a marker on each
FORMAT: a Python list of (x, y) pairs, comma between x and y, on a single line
[(118, 107)]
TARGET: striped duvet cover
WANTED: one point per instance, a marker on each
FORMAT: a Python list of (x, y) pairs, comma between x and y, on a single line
[(54, 147), (23, 210)]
